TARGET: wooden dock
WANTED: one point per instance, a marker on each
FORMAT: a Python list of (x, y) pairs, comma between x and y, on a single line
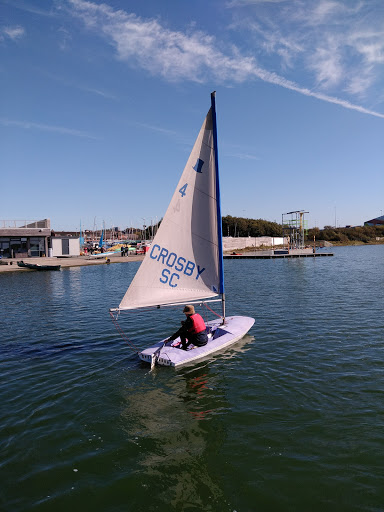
[(275, 256)]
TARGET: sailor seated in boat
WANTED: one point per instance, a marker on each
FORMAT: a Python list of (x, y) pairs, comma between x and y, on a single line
[(192, 330)]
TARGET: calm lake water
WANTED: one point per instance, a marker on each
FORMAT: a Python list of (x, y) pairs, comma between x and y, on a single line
[(289, 419)]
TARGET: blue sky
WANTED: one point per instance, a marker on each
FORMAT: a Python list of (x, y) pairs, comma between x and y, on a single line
[(101, 103)]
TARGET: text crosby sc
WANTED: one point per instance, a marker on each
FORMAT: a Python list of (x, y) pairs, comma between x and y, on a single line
[(176, 263)]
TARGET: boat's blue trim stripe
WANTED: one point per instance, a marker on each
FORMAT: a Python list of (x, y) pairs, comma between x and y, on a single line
[(218, 204)]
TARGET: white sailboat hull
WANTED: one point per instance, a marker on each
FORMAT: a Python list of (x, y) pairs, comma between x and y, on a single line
[(102, 255), (223, 336)]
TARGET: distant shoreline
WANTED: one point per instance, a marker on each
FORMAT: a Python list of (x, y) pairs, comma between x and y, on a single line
[(10, 265), (308, 245), (356, 242)]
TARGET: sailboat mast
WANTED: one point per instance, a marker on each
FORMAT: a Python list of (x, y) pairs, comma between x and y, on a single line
[(218, 205)]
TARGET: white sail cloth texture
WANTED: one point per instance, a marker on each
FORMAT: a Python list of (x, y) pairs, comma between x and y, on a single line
[(182, 263)]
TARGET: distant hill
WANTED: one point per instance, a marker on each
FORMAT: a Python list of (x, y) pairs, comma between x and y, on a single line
[(239, 226), (348, 236)]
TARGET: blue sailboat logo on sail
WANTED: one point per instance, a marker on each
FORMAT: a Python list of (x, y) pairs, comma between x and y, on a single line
[(198, 165)]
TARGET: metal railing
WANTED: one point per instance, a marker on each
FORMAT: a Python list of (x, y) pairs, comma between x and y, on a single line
[(30, 224)]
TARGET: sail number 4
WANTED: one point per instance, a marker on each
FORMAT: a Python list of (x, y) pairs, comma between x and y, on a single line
[(183, 189)]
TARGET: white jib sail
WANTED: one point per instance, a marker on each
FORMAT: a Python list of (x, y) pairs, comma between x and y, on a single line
[(182, 264)]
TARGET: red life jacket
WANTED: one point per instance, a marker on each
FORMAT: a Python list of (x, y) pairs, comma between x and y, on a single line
[(198, 324)]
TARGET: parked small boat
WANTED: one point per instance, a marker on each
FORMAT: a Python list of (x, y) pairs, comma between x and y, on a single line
[(35, 266)]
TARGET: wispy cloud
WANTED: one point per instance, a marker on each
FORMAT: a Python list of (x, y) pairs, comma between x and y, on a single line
[(243, 156), (172, 55), (98, 92), (240, 3), (327, 64), (334, 42), (11, 32), (65, 38), (199, 57), (324, 10), (369, 44), (157, 129), (80, 86), (27, 125), (23, 6), (240, 152)]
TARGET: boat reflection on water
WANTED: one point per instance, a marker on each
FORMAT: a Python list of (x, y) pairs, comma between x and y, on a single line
[(173, 446), (176, 423), (199, 383)]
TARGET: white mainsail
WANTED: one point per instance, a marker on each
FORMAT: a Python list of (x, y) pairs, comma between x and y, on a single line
[(182, 264)]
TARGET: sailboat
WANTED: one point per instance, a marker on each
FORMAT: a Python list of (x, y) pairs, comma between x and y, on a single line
[(185, 262), (102, 244), (101, 241)]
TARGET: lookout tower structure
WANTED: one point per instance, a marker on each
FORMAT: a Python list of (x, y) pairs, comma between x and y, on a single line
[(294, 226)]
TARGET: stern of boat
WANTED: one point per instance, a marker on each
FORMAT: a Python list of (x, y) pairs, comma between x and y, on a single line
[(223, 335)]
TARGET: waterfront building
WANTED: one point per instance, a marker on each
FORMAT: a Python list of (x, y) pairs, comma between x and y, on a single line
[(27, 239), (64, 246), (23, 239), (379, 221)]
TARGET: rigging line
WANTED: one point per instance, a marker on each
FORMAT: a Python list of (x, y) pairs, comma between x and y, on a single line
[(123, 335), (214, 312), (203, 317), (202, 312)]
